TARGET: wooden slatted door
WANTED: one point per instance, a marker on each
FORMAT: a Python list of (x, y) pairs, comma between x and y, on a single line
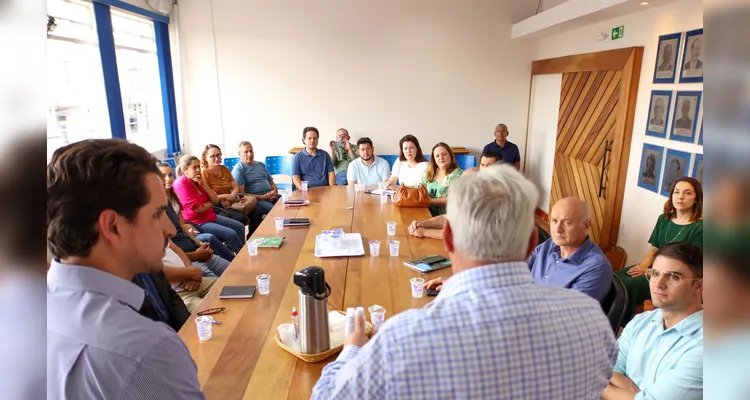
[(585, 136)]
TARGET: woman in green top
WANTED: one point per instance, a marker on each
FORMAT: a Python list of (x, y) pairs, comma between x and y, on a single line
[(341, 155), (682, 221), (441, 172)]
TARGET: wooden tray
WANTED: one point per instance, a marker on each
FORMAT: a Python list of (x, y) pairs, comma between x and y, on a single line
[(313, 358)]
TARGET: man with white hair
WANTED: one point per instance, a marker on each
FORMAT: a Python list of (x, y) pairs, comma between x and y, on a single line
[(491, 332)]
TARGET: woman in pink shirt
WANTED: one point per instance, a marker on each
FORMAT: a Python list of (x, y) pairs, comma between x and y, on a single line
[(197, 200)]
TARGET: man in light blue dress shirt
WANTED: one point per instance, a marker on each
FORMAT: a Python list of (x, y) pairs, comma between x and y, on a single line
[(569, 259), (661, 351), (491, 332), (368, 167), (107, 222)]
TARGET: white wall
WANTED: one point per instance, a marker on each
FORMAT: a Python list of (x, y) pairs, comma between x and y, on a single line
[(640, 207), (439, 69), (545, 105)]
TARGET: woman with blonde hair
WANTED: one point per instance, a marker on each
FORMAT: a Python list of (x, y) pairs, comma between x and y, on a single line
[(441, 172)]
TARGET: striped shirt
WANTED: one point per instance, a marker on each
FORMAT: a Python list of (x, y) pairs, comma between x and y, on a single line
[(491, 333), (99, 347)]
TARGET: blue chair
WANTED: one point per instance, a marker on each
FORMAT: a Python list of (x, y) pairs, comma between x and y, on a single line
[(390, 158), (280, 166), (231, 162), (466, 161), (171, 162)]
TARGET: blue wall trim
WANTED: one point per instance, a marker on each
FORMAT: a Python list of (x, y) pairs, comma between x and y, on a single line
[(109, 68), (155, 16), (164, 54)]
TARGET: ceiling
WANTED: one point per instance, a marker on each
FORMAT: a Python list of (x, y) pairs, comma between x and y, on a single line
[(522, 9)]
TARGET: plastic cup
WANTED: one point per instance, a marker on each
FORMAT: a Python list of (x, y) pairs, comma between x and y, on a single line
[(304, 186), (205, 327), (377, 316), (288, 192), (336, 239), (279, 221), (374, 248), (326, 236), (340, 231), (383, 198), (381, 185), (416, 287), (391, 228), (361, 186), (252, 247), (264, 284), (393, 247), (286, 334)]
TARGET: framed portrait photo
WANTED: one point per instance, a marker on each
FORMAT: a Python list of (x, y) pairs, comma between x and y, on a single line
[(666, 58), (700, 135), (685, 116), (675, 167), (658, 113), (692, 59), (648, 175), (697, 171)]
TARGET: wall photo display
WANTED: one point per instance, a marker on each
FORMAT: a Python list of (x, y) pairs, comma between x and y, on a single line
[(648, 175), (666, 58), (697, 171), (675, 167), (692, 57), (685, 116), (658, 113)]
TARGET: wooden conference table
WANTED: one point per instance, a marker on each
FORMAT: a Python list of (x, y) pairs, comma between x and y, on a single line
[(242, 359)]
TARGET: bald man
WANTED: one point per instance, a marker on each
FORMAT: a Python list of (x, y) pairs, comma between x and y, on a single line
[(569, 258)]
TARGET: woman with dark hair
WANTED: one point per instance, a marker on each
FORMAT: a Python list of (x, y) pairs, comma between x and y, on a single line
[(198, 200), (219, 178), (681, 221), (411, 164), (441, 172)]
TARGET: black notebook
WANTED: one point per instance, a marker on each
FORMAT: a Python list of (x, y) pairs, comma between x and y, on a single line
[(297, 222), (237, 292)]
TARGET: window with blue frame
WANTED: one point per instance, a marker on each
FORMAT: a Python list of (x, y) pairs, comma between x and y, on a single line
[(110, 75)]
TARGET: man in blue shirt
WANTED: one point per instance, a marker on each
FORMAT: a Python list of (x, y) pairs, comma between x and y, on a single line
[(312, 164), (569, 258), (368, 168), (661, 351), (254, 179), (508, 151)]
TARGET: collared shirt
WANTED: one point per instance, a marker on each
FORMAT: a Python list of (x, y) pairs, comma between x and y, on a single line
[(490, 333), (255, 177), (378, 171), (341, 159), (313, 169), (664, 364), (510, 152), (587, 270), (99, 347)]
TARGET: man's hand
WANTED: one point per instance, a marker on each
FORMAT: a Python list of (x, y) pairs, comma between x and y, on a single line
[(195, 274), (436, 284), (419, 232), (637, 271), (190, 286), (347, 145), (358, 337), (413, 226), (274, 194), (203, 252)]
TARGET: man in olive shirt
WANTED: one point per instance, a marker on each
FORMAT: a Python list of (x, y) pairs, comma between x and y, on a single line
[(342, 156)]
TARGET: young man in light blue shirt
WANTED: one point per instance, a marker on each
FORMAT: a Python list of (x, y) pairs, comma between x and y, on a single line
[(368, 168), (661, 351)]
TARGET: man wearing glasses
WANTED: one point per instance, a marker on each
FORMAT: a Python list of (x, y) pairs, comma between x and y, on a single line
[(661, 351)]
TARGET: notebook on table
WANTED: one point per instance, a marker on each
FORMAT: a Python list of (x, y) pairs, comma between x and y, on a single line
[(274, 242), (237, 292), (297, 222), (430, 263), (296, 203)]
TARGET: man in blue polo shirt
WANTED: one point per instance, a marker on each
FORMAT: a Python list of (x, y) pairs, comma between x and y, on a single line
[(312, 164), (506, 149), (368, 168), (569, 258), (661, 351)]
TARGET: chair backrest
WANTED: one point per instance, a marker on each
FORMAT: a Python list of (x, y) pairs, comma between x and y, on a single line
[(171, 162), (231, 162), (615, 303), (280, 166), (466, 161), (390, 158), (617, 257), (543, 235)]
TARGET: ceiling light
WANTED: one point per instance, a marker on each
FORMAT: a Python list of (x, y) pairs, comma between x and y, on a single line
[(645, 3)]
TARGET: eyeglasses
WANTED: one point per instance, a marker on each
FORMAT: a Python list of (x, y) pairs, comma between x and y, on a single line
[(211, 311), (672, 278)]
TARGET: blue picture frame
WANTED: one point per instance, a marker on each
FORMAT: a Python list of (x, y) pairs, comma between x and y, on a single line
[(691, 65), (649, 171), (652, 129), (700, 135), (697, 170), (676, 166), (684, 128), (664, 72)]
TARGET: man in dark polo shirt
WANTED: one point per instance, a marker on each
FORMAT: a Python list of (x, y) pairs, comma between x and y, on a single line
[(506, 149), (161, 303), (312, 164)]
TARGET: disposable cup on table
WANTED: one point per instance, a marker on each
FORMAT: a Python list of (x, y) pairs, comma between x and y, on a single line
[(381, 185), (286, 334), (337, 239), (252, 247), (326, 235), (390, 226), (383, 198), (279, 221), (377, 316), (374, 248), (205, 327), (264, 284), (304, 186), (361, 186), (393, 247), (416, 287)]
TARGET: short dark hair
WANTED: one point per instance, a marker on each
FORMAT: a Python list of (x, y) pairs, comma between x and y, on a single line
[(685, 252), (364, 140), (86, 178), (410, 138), (489, 153), (309, 129)]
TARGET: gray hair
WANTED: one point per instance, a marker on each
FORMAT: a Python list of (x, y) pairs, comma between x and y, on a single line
[(491, 214)]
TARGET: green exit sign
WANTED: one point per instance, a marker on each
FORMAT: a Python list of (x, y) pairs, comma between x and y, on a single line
[(618, 32)]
